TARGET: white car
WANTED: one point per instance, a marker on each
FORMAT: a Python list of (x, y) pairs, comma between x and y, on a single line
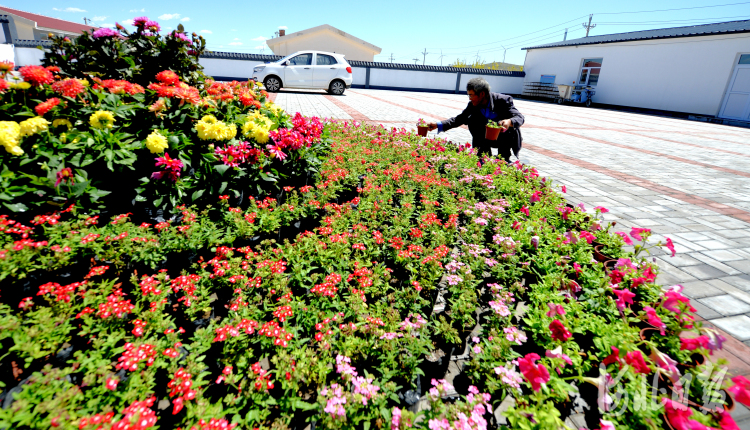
[(306, 69)]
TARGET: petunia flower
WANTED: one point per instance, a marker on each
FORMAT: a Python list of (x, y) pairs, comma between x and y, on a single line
[(670, 246), (601, 209), (635, 359), (555, 309), (638, 233), (741, 389), (624, 237), (624, 297), (536, 374), (559, 332), (525, 210), (654, 319)]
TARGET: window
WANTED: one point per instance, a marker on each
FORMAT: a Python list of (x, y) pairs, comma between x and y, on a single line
[(547, 79), (301, 60), (590, 71), (744, 59), (325, 60)]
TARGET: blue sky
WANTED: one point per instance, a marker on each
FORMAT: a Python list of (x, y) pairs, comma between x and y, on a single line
[(479, 29)]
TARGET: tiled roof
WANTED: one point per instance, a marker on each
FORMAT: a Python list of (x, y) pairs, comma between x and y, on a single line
[(51, 23), (662, 33), (371, 64)]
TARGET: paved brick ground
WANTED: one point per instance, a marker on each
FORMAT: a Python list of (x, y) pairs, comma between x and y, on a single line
[(686, 180)]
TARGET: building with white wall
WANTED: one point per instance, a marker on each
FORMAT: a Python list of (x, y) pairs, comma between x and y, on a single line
[(323, 38), (702, 69), (20, 25)]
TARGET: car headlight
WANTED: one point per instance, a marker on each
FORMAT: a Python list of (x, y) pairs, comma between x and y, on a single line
[(258, 68)]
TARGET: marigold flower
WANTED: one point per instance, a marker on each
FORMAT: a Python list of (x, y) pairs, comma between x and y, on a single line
[(10, 136), (69, 87), (36, 75), (33, 126), (62, 121), (46, 106), (209, 128), (102, 119), (156, 143)]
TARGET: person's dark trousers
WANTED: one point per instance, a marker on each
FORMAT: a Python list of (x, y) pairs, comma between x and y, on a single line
[(505, 152)]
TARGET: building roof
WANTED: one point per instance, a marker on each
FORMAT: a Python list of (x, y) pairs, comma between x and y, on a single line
[(49, 23), (718, 28), (370, 64), (324, 27)]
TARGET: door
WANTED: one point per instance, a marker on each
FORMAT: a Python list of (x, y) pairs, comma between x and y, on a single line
[(326, 68), (590, 71), (299, 72), (737, 101)]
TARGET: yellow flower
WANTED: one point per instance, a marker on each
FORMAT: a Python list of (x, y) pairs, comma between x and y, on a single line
[(156, 143), (84, 82), (260, 135), (102, 119), (209, 128), (21, 86), (34, 126), (61, 121), (248, 128), (10, 136), (16, 150)]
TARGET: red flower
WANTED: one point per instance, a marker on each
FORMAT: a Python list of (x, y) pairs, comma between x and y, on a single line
[(167, 77), (112, 383), (635, 359), (64, 175), (741, 389), (624, 297), (536, 374), (36, 75), (612, 358), (46, 106), (69, 87), (4, 85), (559, 332), (670, 246), (525, 210)]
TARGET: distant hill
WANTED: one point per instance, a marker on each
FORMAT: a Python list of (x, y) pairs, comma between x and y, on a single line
[(495, 65)]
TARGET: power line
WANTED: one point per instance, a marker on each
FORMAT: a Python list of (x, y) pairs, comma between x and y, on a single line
[(669, 10), (670, 21), (589, 26)]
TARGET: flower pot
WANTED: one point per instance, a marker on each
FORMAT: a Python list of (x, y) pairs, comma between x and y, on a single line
[(422, 131), (598, 256), (491, 133)]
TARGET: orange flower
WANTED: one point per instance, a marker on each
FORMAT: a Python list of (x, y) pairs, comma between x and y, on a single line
[(6, 67), (46, 106), (167, 77), (36, 75)]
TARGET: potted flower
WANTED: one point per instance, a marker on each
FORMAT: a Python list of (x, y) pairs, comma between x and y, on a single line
[(492, 130), (422, 127)]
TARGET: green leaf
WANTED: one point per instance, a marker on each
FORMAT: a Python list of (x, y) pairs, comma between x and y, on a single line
[(173, 142), (158, 201), (76, 160), (16, 207), (196, 195), (266, 177), (299, 404), (221, 168), (223, 187)]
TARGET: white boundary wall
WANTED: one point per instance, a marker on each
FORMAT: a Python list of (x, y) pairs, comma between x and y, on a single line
[(28, 56), (686, 74)]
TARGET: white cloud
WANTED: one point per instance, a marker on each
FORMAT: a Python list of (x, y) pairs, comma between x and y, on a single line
[(235, 43), (107, 25), (138, 10), (260, 47), (186, 19), (168, 16), (128, 22), (69, 9), (260, 39), (207, 32), (283, 27), (99, 18), (237, 38)]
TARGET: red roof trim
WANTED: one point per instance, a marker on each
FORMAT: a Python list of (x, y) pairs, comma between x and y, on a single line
[(51, 23)]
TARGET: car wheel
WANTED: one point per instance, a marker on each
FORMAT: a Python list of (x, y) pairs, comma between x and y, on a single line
[(272, 84), (588, 103), (337, 88), (560, 101)]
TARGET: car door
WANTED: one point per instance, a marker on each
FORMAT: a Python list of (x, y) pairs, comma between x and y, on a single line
[(299, 73), (326, 68)]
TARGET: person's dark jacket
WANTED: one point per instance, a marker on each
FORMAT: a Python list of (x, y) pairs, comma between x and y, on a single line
[(500, 105)]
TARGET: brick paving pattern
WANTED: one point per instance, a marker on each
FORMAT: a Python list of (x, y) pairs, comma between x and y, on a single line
[(686, 180)]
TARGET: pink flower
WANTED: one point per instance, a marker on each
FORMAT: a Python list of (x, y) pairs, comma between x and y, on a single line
[(670, 246), (557, 353), (637, 232), (559, 332), (275, 151), (673, 298), (602, 210), (606, 425), (64, 175), (555, 309), (563, 189), (691, 344), (679, 414), (624, 237), (654, 319), (741, 389), (667, 366), (535, 197), (104, 32), (635, 359), (536, 374), (726, 422), (525, 210), (612, 358), (623, 297)]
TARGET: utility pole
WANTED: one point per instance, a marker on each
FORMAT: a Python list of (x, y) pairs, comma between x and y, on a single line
[(424, 56), (86, 20), (416, 60), (441, 58), (504, 50), (589, 26), (392, 57), (565, 37)]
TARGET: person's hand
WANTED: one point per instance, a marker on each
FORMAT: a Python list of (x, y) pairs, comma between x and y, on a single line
[(431, 125), (506, 123)]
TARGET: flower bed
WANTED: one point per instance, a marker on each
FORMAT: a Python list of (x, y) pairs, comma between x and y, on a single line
[(335, 303)]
